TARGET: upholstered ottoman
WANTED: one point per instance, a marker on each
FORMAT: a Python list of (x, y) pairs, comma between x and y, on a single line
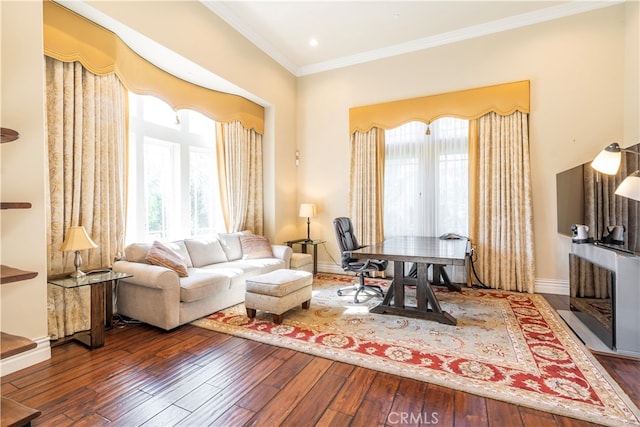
[(300, 261), (278, 291)]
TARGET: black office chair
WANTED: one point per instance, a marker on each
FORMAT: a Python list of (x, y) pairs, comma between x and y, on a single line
[(348, 242)]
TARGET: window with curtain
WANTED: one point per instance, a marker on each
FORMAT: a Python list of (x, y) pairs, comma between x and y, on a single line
[(173, 180), (426, 179)]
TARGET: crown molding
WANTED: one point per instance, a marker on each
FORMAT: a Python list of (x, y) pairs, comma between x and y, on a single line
[(517, 21), (543, 15), (220, 9)]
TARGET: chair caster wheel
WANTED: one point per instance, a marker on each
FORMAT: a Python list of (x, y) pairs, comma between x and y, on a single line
[(339, 293)]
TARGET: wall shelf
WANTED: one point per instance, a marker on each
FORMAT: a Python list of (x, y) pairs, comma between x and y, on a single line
[(15, 205), (10, 274), (14, 344), (13, 413), (8, 135)]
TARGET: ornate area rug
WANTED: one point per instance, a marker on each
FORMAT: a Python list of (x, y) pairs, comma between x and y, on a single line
[(507, 346)]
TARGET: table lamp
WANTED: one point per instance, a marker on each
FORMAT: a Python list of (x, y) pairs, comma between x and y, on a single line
[(308, 210), (76, 240)]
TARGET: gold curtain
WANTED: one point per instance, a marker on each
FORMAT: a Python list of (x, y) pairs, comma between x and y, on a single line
[(469, 104), (473, 151), (240, 175), (86, 136), (69, 37), (366, 185), (504, 230)]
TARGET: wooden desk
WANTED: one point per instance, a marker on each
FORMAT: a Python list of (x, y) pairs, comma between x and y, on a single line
[(425, 252)]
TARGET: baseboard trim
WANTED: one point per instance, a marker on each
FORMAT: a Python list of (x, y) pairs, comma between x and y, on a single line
[(23, 360), (551, 286)]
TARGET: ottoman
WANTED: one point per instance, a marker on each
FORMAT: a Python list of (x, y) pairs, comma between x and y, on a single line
[(278, 291)]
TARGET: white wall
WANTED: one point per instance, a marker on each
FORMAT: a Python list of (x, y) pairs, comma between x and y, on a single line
[(23, 304), (194, 32), (576, 66)]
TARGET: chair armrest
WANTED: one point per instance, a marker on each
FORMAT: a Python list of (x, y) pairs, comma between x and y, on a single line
[(148, 275), (283, 252)]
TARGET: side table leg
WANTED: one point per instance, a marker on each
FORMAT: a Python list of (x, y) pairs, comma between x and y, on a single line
[(97, 315), (109, 303), (315, 259)]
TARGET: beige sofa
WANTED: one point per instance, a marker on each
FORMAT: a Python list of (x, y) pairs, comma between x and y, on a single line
[(216, 270)]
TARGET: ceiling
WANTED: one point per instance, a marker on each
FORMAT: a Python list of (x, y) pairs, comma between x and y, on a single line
[(351, 32)]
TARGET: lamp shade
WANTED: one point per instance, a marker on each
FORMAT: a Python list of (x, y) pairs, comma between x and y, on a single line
[(77, 239), (307, 210), (608, 161), (630, 187)]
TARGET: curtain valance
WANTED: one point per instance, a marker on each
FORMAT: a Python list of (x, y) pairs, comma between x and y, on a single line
[(503, 99), (69, 37)]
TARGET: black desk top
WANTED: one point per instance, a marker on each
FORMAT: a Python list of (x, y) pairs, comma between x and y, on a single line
[(431, 250)]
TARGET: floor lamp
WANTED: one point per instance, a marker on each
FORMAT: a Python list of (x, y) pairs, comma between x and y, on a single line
[(608, 162)]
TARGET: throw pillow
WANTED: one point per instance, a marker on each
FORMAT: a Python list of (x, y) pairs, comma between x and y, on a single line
[(159, 254), (231, 244), (255, 247)]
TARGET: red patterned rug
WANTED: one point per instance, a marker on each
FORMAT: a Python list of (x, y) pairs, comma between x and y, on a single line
[(507, 346)]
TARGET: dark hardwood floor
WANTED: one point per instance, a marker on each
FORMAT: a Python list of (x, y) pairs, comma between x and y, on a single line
[(195, 377)]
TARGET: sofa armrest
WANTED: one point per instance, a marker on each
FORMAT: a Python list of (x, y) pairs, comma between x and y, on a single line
[(148, 275), (283, 252)]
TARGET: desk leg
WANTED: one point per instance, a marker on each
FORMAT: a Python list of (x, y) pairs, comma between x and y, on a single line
[(421, 288), (440, 272), (97, 315), (398, 285)]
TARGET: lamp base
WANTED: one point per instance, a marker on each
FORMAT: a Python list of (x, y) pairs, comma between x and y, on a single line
[(77, 262), (78, 274)]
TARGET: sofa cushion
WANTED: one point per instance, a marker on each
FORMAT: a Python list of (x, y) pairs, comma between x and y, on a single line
[(160, 254), (136, 252), (205, 251), (260, 265), (231, 244), (181, 249), (202, 283), (254, 246)]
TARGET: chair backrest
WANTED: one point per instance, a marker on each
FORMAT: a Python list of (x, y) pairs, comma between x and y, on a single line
[(347, 241)]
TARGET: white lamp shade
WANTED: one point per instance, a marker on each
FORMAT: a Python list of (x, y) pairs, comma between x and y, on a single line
[(630, 187), (608, 161), (307, 210), (77, 239)]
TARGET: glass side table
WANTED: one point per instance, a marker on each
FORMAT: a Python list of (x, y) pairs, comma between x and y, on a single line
[(304, 243), (102, 285)]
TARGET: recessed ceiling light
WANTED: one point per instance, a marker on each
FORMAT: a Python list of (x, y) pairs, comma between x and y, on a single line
[(313, 42)]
